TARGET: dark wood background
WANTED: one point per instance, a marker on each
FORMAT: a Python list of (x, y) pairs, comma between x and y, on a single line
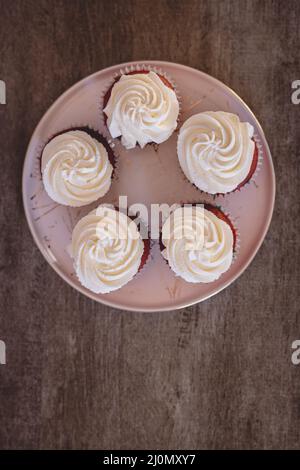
[(216, 375)]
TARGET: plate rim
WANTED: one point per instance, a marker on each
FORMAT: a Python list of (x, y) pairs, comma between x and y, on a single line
[(117, 305)]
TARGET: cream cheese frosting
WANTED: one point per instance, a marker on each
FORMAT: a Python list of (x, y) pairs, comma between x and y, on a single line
[(198, 244), (76, 169), (107, 249), (215, 151), (141, 109)]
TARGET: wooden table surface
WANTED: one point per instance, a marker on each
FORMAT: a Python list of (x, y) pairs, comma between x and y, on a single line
[(215, 375)]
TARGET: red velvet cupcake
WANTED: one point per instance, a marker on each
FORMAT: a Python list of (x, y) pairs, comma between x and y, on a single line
[(141, 107), (198, 242), (77, 166), (107, 249), (217, 152)]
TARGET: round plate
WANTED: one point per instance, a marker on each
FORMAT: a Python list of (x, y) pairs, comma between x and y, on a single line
[(151, 175)]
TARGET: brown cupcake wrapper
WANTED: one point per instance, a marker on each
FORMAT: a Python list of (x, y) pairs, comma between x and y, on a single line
[(136, 68)]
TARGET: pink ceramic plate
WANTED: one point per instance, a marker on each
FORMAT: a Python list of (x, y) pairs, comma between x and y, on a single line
[(149, 176)]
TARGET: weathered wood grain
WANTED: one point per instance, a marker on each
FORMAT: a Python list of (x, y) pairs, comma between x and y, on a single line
[(216, 375)]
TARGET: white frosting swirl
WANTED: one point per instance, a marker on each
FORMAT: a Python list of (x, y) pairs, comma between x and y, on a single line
[(107, 249), (76, 169), (199, 245), (141, 109), (215, 151)]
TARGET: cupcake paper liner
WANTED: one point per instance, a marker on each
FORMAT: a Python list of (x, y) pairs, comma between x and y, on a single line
[(259, 159), (136, 68)]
